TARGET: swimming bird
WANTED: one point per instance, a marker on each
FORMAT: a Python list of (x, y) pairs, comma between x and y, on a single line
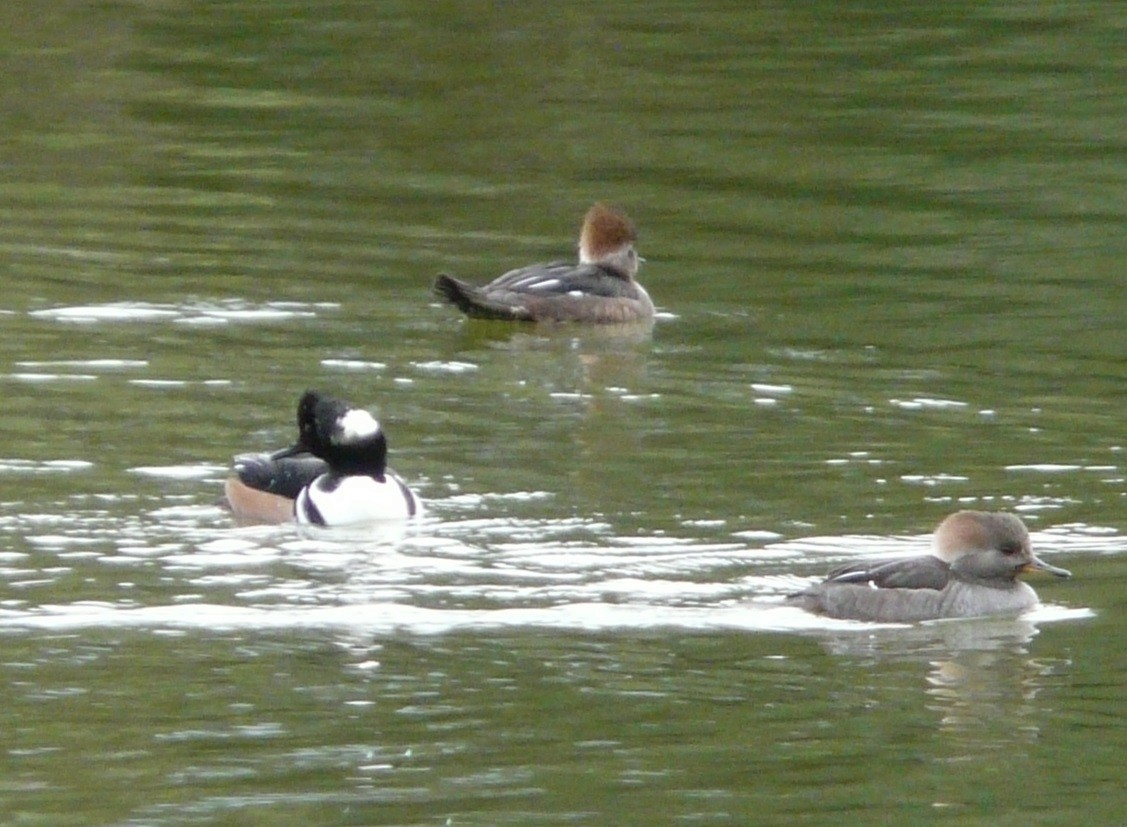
[(263, 487), (600, 288), (335, 474), (972, 570)]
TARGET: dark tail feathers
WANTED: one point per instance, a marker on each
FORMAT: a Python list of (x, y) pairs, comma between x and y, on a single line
[(472, 302), (458, 293)]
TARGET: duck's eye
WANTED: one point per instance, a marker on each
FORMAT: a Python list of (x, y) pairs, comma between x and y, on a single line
[(1010, 549)]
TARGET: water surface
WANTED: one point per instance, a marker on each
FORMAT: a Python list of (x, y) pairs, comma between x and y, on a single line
[(886, 245)]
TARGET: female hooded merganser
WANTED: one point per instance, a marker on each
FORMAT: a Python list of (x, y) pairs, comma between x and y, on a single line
[(334, 475), (972, 571), (599, 289)]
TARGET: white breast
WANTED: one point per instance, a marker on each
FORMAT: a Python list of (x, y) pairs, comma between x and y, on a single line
[(355, 500)]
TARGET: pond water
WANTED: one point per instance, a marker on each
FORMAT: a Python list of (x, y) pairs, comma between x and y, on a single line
[(886, 243)]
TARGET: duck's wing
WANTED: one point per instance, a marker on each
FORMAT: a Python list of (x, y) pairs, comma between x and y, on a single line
[(561, 278), (925, 572), (559, 291), (284, 476)]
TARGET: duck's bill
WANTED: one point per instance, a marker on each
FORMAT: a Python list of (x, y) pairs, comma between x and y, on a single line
[(1040, 565)]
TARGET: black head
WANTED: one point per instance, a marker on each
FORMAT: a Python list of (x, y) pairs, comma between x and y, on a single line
[(348, 439)]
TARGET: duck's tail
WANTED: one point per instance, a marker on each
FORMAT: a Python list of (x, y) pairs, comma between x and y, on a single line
[(473, 302)]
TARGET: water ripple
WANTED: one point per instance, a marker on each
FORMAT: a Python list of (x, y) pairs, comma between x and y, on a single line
[(189, 313), (434, 577)]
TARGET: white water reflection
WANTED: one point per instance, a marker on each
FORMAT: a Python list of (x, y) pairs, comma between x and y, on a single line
[(91, 364), (50, 466), (189, 313), (180, 472), (52, 377), (353, 365), (392, 617), (443, 575)]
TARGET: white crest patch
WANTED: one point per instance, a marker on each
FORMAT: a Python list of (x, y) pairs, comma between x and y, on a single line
[(356, 425)]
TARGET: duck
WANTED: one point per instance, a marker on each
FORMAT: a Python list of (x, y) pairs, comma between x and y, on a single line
[(971, 571), (335, 474), (600, 288), (262, 488)]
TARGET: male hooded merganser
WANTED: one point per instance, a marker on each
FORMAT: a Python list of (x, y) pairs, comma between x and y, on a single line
[(335, 474), (263, 487), (972, 571), (599, 289)]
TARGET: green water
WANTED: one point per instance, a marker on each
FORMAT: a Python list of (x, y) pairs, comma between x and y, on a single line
[(886, 243)]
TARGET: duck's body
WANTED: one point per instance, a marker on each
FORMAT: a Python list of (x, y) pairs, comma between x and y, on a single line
[(599, 289), (332, 500), (334, 475), (264, 487), (972, 571)]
